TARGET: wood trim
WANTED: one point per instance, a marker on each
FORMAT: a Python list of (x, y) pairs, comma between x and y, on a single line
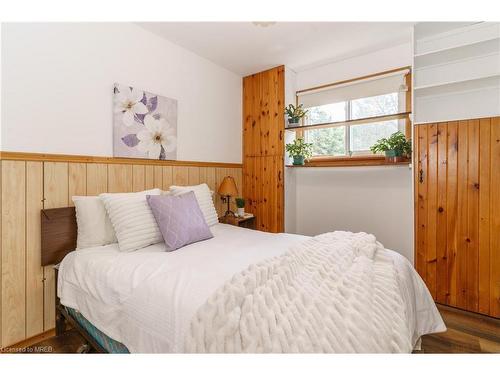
[(395, 116), (29, 341), (338, 83), (31, 156), (346, 161), (468, 313), (408, 101)]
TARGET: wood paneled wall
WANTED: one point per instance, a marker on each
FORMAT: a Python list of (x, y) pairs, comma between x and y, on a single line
[(457, 212), (27, 288), (263, 147)]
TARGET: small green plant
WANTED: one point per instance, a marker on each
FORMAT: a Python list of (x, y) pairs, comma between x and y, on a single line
[(299, 148), (295, 113), (240, 202), (397, 144)]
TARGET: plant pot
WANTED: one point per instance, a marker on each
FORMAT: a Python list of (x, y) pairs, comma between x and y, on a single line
[(298, 160), (393, 156), (293, 120), (240, 211)]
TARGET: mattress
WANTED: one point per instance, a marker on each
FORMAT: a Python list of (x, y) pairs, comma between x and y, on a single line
[(146, 299)]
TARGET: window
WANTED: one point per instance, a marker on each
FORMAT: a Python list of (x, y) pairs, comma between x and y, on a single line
[(346, 121)]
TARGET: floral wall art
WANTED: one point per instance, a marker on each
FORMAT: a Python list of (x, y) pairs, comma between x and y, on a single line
[(144, 124)]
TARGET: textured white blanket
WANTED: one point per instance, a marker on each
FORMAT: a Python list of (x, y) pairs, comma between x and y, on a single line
[(336, 293)]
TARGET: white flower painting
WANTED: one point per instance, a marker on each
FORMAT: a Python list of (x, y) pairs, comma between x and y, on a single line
[(144, 124)]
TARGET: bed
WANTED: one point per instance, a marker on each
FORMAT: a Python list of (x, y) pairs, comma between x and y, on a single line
[(144, 301)]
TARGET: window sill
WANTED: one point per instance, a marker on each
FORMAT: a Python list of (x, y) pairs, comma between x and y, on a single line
[(356, 161)]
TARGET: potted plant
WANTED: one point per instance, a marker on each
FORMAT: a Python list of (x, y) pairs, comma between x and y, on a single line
[(294, 113), (396, 147), (299, 150), (240, 205)]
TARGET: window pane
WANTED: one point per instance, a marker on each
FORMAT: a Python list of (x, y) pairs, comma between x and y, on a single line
[(374, 106), (362, 137), (327, 142), (326, 113)]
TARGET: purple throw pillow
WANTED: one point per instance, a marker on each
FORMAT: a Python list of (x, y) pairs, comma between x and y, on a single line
[(180, 219)]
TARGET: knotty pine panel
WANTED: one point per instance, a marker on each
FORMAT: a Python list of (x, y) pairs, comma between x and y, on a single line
[(97, 179), (484, 217), (77, 183), (120, 178), (166, 177), (452, 210), (13, 257), (457, 215), (149, 177), (56, 182), (263, 148), (34, 269), (494, 217), (138, 178)]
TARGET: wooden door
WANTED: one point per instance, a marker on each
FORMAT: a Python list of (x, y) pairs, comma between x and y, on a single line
[(263, 147), (457, 212)]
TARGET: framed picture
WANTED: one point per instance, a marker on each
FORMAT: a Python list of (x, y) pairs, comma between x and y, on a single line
[(144, 124)]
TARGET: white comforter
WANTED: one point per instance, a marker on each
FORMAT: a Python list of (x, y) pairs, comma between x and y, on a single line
[(146, 299)]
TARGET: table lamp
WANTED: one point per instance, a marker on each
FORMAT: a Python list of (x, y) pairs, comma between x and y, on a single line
[(227, 189)]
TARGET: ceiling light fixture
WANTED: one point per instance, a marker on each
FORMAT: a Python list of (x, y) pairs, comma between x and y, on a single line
[(263, 24)]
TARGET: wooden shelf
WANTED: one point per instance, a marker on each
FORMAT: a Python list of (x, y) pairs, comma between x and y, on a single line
[(346, 161)]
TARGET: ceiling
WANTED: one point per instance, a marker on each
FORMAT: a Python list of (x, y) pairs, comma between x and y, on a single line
[(246, 48)]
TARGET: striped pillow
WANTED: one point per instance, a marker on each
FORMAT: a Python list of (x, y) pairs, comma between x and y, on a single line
[(204, 197), (132, 219)]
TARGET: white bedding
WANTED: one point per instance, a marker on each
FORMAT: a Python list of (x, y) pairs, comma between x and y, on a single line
[(147, 298)]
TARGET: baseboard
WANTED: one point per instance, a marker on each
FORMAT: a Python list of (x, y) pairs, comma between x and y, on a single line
[(30, 341)]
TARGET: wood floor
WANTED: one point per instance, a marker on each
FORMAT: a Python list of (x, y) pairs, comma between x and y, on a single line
[(467, 333)]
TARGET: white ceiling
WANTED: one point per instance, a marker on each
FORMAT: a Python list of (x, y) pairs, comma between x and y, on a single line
[(246, 48)]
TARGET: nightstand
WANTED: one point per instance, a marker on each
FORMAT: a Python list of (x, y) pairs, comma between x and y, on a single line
[(243, 222)]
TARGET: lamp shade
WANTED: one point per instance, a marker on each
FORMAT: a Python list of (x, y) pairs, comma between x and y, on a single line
[(228, 187)]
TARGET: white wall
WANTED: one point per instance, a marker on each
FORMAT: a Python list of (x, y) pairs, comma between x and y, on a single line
[(377, 200), (384, 59), (58, 79), (290, 181)]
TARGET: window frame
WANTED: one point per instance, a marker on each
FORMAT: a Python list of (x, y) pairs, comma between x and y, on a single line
[(357, 158)]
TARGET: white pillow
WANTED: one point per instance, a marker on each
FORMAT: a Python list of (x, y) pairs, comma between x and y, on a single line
[(204, 197), (94, 227), (132, 218)]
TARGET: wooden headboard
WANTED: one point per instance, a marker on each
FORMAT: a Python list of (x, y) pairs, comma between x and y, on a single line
[(59, 232)]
